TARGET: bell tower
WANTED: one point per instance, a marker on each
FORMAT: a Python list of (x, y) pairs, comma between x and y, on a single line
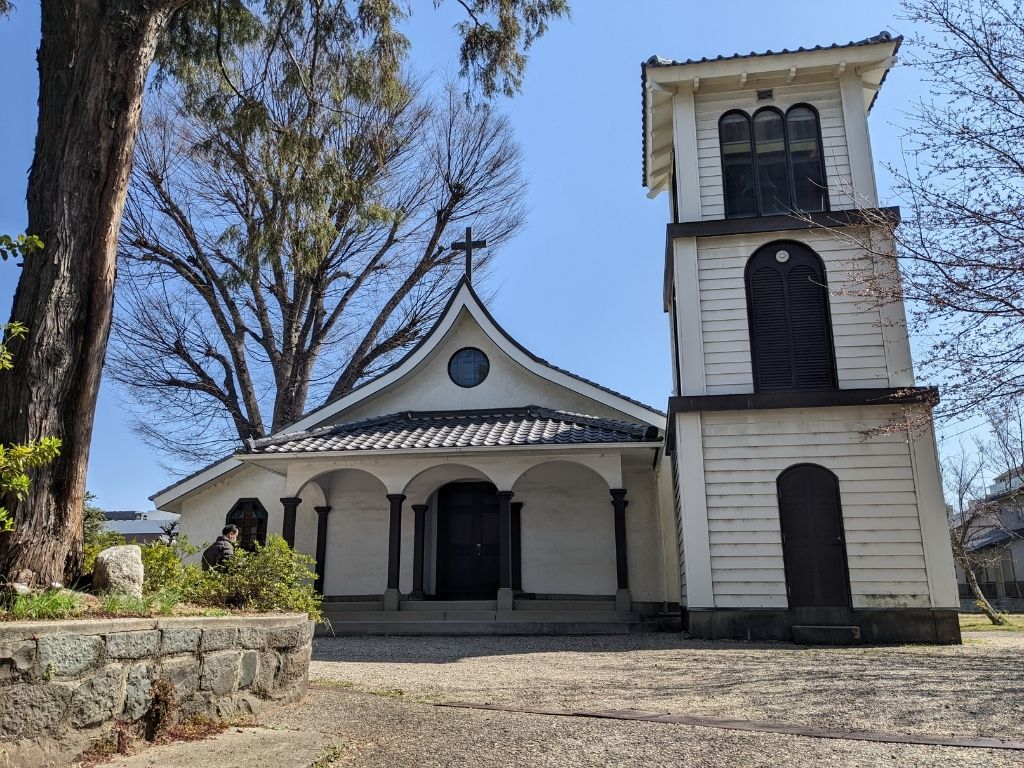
[(809, 502)]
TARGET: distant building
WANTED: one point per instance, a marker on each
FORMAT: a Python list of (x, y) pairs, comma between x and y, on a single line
[(139, 527), (1003, 581)]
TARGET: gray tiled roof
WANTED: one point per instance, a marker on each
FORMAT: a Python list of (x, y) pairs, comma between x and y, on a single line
[(881, 37), (658, 61), (528, 426)]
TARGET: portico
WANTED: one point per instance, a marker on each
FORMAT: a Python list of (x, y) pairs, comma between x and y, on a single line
[(485, 522)]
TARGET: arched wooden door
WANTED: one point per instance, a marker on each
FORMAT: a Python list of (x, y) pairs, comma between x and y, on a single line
[(813, 544)]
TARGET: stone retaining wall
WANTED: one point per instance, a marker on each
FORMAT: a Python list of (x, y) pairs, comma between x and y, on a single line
[(62, 682)]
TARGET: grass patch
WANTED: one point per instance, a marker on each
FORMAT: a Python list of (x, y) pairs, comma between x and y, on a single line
[(44, 605), (160, 603), (331, 754), (978, 622)]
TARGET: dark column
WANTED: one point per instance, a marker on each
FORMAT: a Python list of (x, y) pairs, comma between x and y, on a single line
[(505, 539), (394, 538), (291, 504), (621, 564), (517, 546), (321, 546), (420, 511)]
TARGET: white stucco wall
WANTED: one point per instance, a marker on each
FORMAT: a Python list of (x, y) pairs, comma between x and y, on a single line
[(568, 535), (428, 387), (204, 513), (357, 535)]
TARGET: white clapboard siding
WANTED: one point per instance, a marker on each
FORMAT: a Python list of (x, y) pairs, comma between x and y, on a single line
[(744, 452), (679, 529), (822, 96), (856, 325)]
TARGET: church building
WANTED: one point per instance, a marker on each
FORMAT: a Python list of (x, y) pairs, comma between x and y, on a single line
[(789, 493)]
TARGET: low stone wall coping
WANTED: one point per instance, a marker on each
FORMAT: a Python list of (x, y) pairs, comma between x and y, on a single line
[(29, 630)]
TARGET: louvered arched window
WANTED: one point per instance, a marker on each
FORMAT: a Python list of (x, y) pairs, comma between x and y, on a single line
[(772, 163), (790, 328)]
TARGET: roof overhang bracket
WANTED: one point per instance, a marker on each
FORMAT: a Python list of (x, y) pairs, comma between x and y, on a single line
[(887, 63)]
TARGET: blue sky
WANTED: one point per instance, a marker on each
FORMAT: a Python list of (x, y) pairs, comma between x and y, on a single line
[(581, 285)]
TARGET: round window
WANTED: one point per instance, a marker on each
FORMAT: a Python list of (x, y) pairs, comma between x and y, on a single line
[(468, 367)]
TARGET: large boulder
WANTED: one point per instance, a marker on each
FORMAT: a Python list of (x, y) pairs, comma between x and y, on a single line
[(119, 571)]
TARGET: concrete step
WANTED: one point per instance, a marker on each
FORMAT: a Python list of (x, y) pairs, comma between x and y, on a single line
[(339, 606), (809, 634), (483, 628), (411, 616), (570, 616), (392, 617), (448, 605), (524, 604)]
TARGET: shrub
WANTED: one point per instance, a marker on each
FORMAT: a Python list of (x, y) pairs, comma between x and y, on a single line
[(273, 577), (163, 564)]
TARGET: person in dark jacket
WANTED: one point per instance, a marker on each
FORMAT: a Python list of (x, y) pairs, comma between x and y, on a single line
[(222, 549)]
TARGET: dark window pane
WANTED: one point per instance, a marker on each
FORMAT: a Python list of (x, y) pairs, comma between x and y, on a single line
[(468, 367), (737, 166), (772, 167), (806, 157)]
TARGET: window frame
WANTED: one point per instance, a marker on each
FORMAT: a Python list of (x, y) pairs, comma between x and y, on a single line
[(789, 158), (261, 529), (833, 368), (451, 361)]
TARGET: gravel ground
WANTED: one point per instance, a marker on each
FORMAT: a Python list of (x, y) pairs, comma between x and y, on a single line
[(949, 690), (371, 705), (371, 731)]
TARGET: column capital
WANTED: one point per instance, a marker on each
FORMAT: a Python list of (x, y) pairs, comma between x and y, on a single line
[(618, 494), (420, 507), (506, 494), (396, 497), (291, 501), (322, 510)]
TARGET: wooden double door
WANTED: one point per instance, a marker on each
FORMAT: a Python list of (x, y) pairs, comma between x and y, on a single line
[(468, 557), (813, 543)]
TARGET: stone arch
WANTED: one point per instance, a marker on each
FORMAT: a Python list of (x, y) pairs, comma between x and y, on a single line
[(567, 530)]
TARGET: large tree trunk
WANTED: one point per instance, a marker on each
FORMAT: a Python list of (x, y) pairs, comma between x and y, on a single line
[(93, 62)]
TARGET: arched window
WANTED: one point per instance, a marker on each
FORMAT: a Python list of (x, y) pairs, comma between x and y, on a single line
[(806, 159), (790, 328), (251, 518), (737, 164), (773, 193), (772, 164)]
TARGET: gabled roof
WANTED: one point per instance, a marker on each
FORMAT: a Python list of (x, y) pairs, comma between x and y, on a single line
[(689, 69), (463, 298), (528, 426)]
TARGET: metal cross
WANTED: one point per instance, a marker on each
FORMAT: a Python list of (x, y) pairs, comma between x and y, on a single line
[(468, 245)]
